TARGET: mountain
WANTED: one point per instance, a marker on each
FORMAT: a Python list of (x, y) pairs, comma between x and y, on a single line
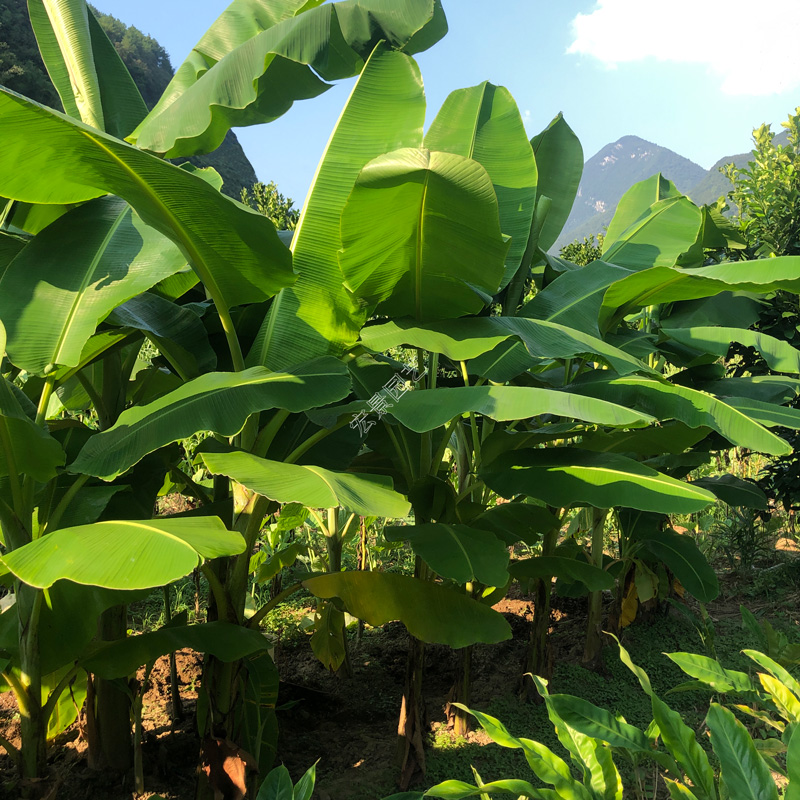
[(22, 70), (610, 172)]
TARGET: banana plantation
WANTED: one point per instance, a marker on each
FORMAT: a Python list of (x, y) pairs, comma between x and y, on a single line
[(357, 484)]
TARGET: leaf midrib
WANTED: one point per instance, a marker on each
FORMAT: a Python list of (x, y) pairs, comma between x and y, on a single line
[(88, 275)]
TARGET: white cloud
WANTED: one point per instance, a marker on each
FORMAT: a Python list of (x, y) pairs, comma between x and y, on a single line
[(751, 47)]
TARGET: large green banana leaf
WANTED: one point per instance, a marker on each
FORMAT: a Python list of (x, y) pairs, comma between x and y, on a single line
[(730, 309), (669, 284), (575, 297), (746, 774), (314, 487), (234, 250), (421, 236), (565, 475), (763, 388), (669, 437), (559, 160), (92, 82), (425, 410), (462, 339), (503, 362), (779, 355), (316, 316), (238, 23), (260, 79), (10, 247), (767, 414), (220, 402), (177, 332), (76, 271), (484, 123), (695, 409), (734, 491), (432, 613), (25, 447), (123, 657), (636, 202), (516, 522), (683, 557), (122, 554), (668, 233), (594, 578), (457, 552)]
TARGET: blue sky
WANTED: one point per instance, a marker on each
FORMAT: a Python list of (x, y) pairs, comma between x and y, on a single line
[(692, 75)]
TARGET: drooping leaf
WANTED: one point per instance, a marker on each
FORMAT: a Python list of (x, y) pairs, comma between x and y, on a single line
[(314, 487), (694, 408), (218, 402), (457, 552), (767, 414), (102, 255), (669, 284), (327, 640), (431, 612), (484, 123), (559, 160), (316, 316), (670, 437), (565, 475), (223, 640), (122, 555), (575, 297), (462, 339), (746, 775), (220, 87), (426, 409), (682, 556), (571, 569), (421, 235), (25, 447), (734, 491), (211, 231), (514, 522), (779, 355), (176, 331)]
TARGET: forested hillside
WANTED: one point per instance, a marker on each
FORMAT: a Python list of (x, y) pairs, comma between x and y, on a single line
[(22, 70)]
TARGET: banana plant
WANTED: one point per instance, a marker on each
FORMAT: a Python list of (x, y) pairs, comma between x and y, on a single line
[(593, 737), (170, 211)]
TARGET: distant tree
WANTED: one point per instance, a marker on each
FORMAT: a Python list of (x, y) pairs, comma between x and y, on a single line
[(767, 194), (767, 191), (583, 252), (21, 67), (267, 200)]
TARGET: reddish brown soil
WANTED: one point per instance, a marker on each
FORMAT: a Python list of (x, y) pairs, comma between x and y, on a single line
[(349, 724)]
